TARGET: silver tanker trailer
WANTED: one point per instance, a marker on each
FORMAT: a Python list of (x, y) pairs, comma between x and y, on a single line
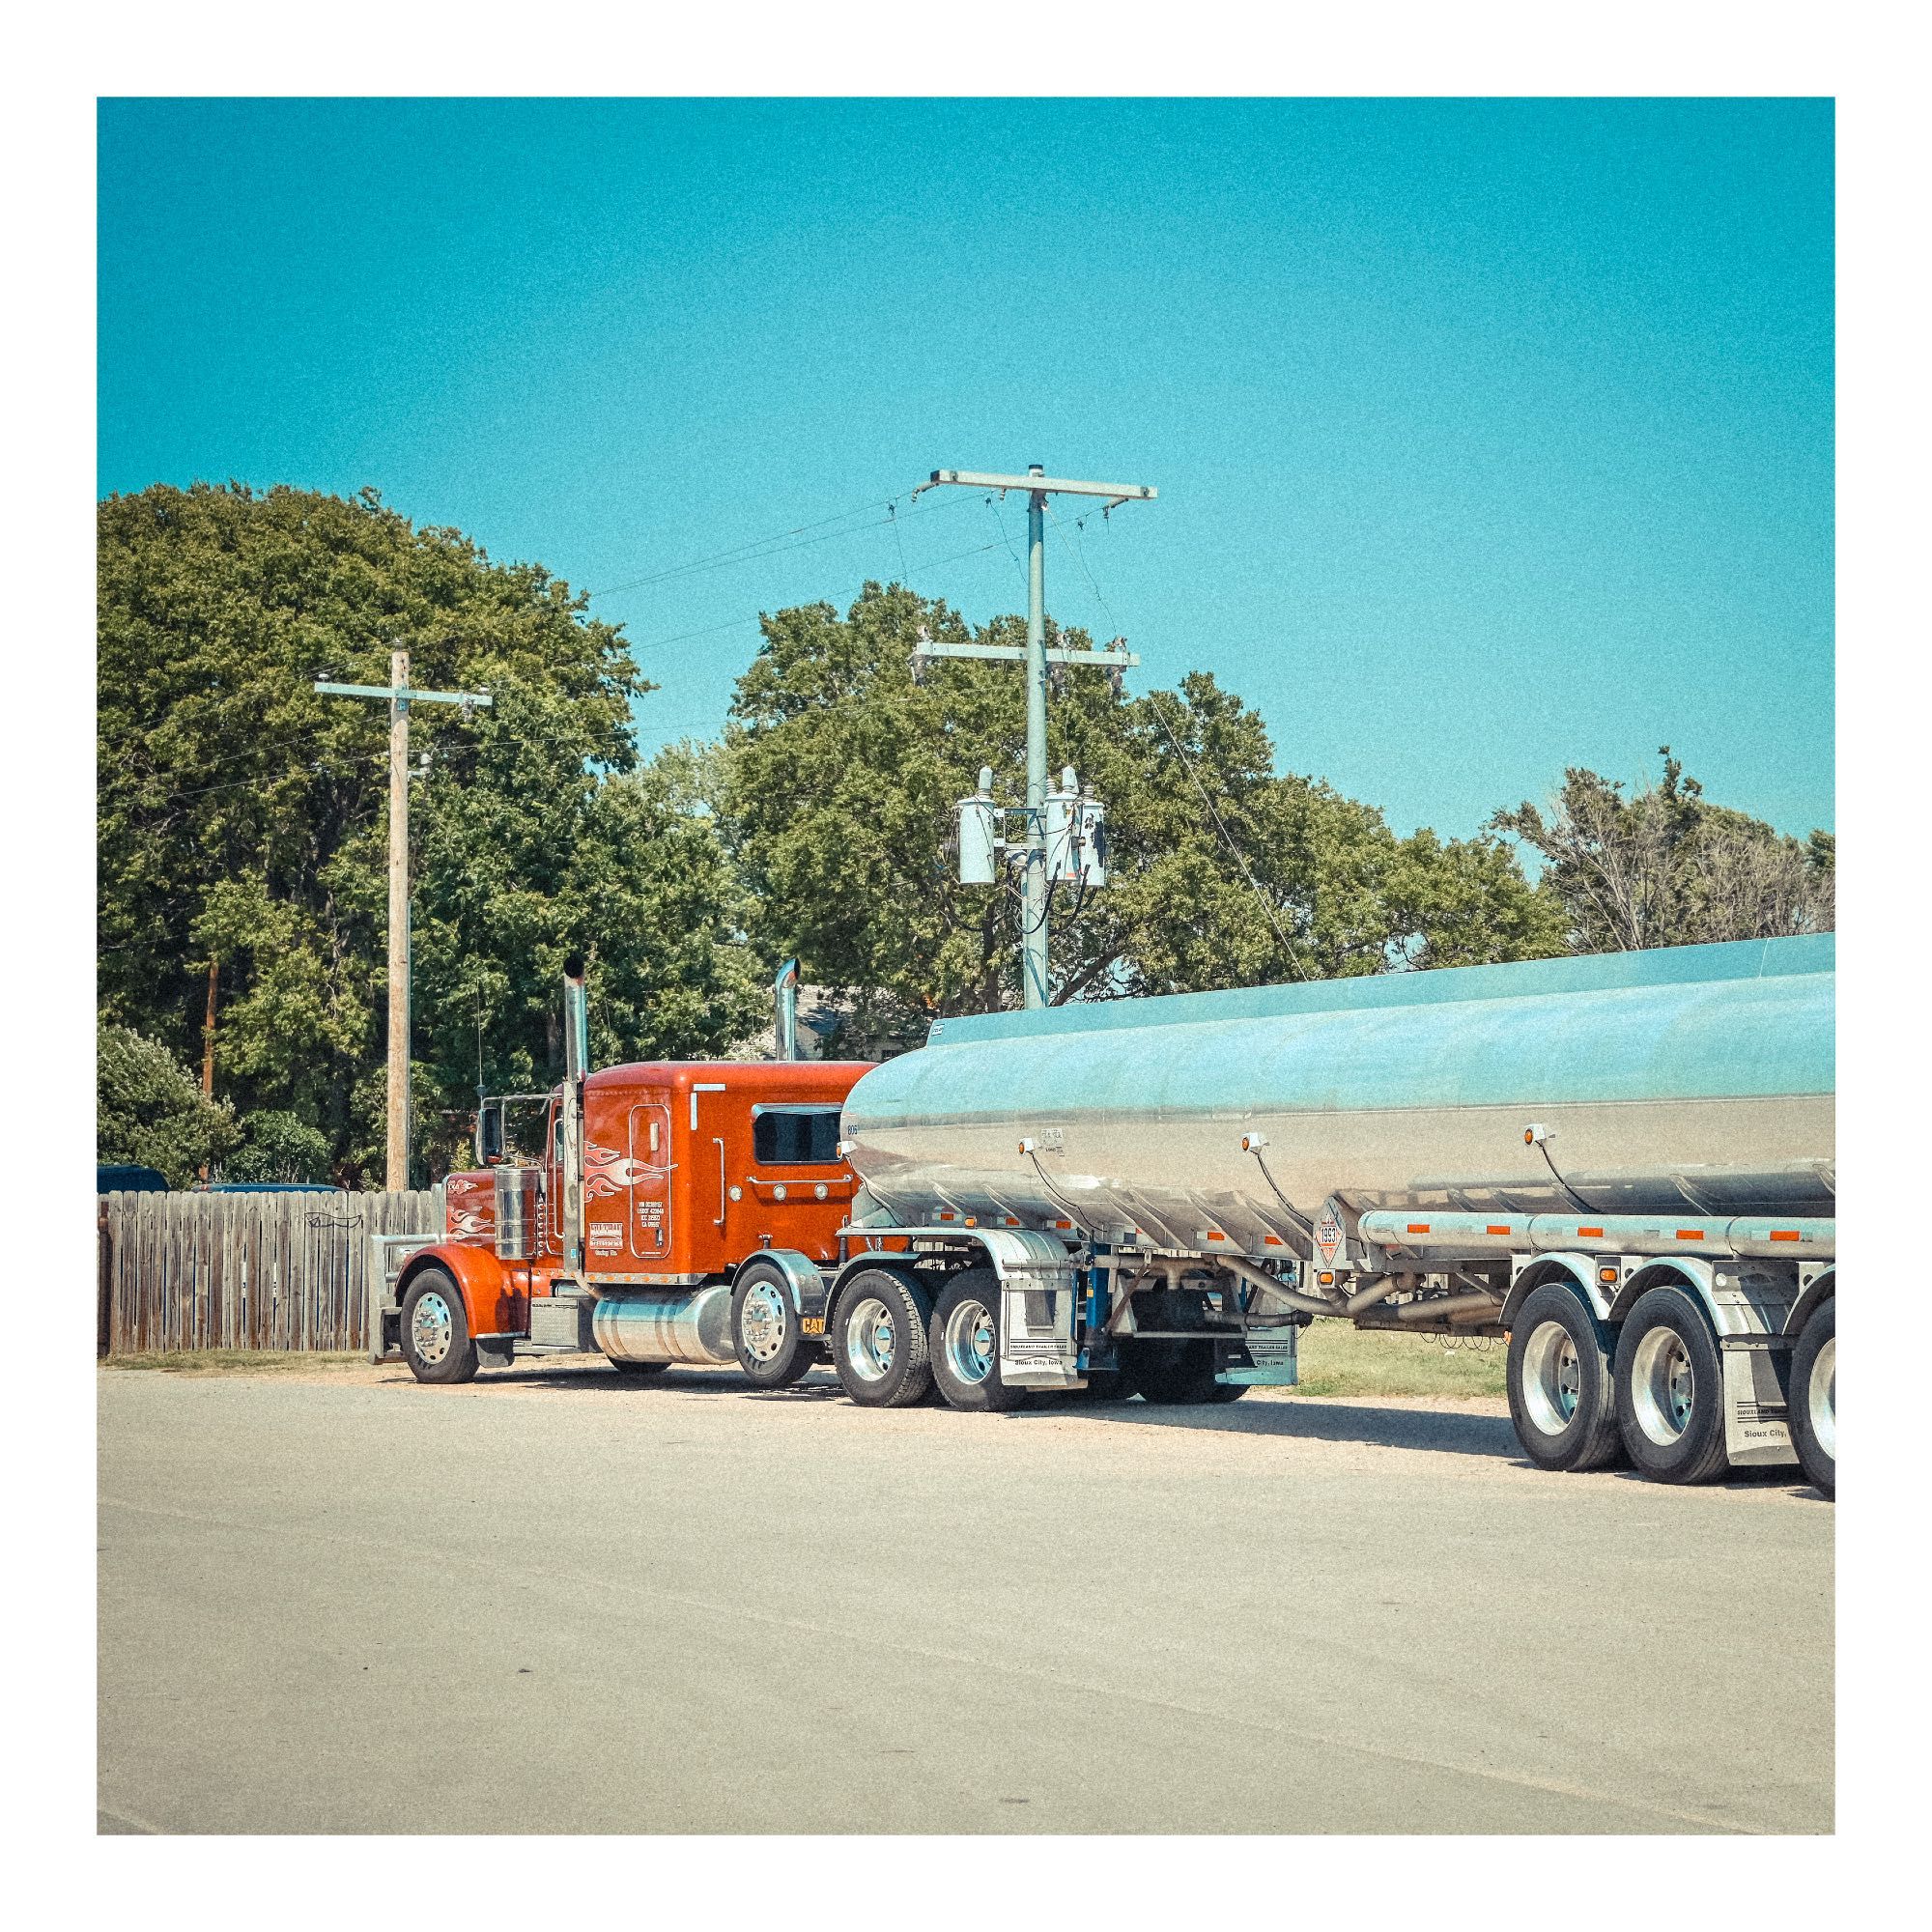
[(1625, 1163)]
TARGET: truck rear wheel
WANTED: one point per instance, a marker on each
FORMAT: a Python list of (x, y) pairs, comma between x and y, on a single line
[(1561, 1391), (964, 1343), (1813, 1406), (437, 1343), (1671, 1390), (880, 1352), (766, 1336)]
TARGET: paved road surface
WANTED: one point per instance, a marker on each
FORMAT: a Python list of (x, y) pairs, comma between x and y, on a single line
[(559, 1601)]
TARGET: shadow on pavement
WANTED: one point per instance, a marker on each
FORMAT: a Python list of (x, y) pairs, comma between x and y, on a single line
[(1445, 1432)]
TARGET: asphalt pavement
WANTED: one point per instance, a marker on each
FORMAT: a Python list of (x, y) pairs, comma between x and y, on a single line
[(558, 1601)]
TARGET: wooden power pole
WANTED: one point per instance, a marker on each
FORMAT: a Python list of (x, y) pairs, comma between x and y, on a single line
[(399, 697), (208, 1031)]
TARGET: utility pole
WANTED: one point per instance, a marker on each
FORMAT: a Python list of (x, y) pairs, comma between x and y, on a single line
[(400, 697), (208, 1031), (1034, 884)]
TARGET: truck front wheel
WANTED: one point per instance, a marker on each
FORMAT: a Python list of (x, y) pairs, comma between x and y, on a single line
[(765, 1331), (1814, 1398), (1561, 1392), (1671, 1390), (881, 1350), (437, 1343)]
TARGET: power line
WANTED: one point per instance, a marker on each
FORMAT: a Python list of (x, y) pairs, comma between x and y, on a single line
[(777, 544), (733, 623), (1187, 764)]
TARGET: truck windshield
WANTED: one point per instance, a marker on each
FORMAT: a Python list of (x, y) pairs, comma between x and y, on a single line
[(794, 1136)]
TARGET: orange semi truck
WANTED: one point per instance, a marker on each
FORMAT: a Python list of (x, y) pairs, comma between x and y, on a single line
[(672, 1212)]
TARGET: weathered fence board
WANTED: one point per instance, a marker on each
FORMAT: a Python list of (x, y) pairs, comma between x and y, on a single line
[(269, 1271)]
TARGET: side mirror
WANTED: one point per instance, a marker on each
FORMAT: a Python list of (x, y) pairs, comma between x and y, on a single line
[(490, 1133)]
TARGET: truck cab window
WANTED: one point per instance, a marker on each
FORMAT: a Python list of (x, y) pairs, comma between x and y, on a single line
[(794, 1136)]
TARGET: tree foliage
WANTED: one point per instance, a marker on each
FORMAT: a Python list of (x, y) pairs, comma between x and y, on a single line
[(840, 775), (1664, 867), (149, 1110), (245, 817)]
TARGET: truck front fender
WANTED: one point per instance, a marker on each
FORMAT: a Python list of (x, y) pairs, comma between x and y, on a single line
[(495, 1298)]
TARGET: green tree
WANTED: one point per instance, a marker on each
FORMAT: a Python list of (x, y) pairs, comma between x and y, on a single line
[(149, 1110), (1664, 867), (840, 772), (275, 1145), (243, 817)]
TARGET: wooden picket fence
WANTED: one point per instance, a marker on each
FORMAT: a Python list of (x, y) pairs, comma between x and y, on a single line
[(274, 1271)]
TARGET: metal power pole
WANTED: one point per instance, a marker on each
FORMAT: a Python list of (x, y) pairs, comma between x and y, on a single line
[(400, 697), (397, 1135), (1035, 980)]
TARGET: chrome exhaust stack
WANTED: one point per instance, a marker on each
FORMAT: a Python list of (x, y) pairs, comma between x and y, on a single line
[(570, 1120), (784, 1000)]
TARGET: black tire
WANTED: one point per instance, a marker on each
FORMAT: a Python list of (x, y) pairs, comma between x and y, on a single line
[(1813, 1398), (772, 1348), (1671, 1390), (637, 1371), (879, 1351), (964, 1341), (1169, 1372), (435, 1330), (1562, 1390)]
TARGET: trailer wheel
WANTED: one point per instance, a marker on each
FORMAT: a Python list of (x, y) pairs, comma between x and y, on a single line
[(1561, 1391), (771, 1347), (880, 1352), (437, 1343), (964, 1343), (1671, 1390), (1814, 1398), (1170, 1373)]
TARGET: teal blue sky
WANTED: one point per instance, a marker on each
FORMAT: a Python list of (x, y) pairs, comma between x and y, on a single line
[(1491, 437)]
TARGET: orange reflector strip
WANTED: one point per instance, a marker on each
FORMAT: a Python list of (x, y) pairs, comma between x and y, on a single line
[(1216, 1234), (1504, 1230), (1589, 1234), (1690, 1233), (1418, 1226), (1272, 1240), (1786, 1235), (1062, 1224)]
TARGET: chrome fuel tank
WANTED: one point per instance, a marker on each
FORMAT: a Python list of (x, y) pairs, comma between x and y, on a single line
[(660, 1324), (1698, 1078)]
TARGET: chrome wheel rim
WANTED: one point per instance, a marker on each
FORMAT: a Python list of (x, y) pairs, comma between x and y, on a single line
[(1552, 1378), (1821, 1399), (762, 1324), (430, 1329), (871, 1340), (1663, 1386), (970, 1343)]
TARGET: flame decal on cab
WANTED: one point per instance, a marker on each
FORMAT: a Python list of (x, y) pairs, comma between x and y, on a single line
[(607, 1172)]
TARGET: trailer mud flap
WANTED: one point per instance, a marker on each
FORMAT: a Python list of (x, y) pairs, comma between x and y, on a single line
[(1266, 1358), (1756, 1428), (1038, 1304)]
